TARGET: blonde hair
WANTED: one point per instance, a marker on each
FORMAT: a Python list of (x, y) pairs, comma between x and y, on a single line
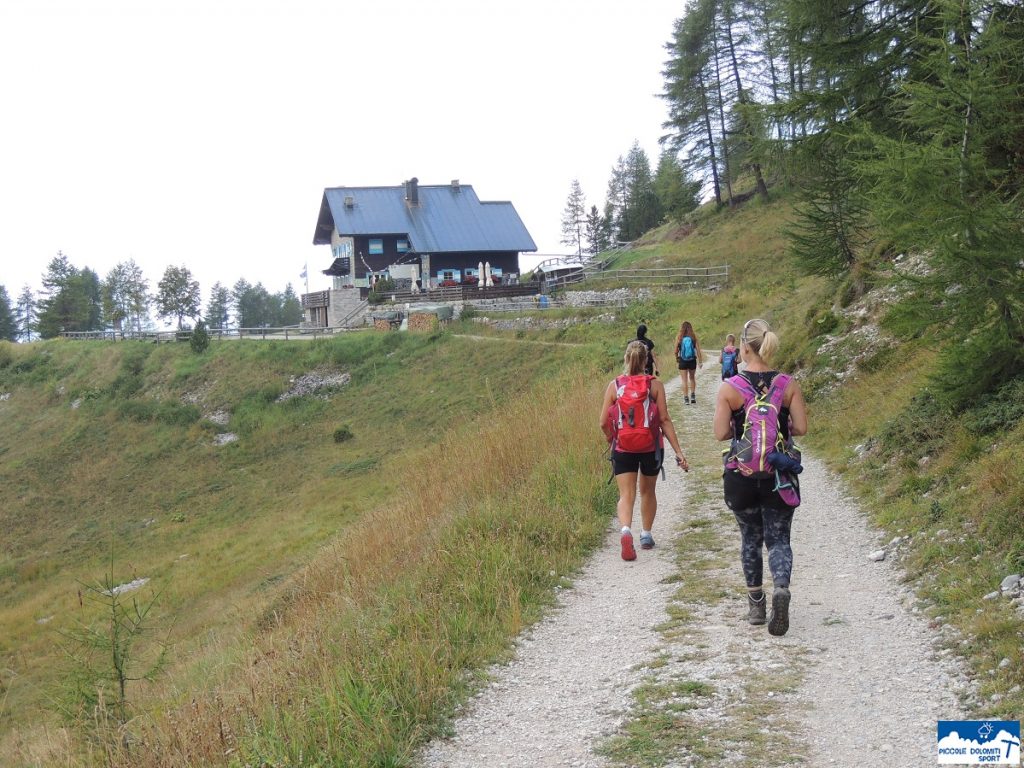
[(761, 339), (635, 359)]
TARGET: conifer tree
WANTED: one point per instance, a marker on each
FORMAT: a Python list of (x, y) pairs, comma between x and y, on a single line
[(573, 218), (942, 187), (25, 314), (219, 307), (676, 193), (8, 326), (597, 232)]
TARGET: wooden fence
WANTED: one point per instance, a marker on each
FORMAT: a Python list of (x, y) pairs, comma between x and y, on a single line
[(284, 332)]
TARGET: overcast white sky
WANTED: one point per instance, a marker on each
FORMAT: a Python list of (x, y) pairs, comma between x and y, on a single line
[(203, 132)]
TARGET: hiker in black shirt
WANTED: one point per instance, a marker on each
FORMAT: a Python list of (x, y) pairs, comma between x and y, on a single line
[(651, 368)]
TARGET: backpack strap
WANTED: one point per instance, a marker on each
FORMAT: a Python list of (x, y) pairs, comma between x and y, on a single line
[(777, 390)]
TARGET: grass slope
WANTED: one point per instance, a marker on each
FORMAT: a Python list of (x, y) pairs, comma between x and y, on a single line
[(335, 597)]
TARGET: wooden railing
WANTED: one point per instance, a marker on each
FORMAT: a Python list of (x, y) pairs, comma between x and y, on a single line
[(282, 332)]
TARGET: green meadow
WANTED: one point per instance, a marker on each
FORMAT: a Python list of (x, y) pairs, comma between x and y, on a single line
[(332, 583)]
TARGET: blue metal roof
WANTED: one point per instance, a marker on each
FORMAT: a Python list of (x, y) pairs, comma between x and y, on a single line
[(448, 218)]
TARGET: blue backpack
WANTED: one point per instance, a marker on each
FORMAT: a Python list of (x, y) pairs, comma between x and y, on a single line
[(729, 367), (686, 350)]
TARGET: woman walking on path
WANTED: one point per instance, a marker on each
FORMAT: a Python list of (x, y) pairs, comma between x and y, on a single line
[(764, 518), (651, 368), (690, 356), (634, 415)]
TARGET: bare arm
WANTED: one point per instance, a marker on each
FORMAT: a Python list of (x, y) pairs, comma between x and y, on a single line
[(797, 408), (605, 422), (654, 362), (666, 424), (722, 422), (700, 353)]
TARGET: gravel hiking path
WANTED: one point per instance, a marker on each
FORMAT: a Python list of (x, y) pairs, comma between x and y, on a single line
[(859, 679)]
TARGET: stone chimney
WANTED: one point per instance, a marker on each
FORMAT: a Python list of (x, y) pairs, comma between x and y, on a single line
[(412, 192)]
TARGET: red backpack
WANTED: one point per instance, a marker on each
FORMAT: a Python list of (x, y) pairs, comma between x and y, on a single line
[(636, 423)]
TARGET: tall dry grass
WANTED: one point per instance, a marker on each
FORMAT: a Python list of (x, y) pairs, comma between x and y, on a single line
[(366, 654)]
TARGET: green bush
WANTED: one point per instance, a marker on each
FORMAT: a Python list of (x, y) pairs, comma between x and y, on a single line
[(6, 353), (918, 429), (380, 291), (343, 434), (998, 413), (199, 339)]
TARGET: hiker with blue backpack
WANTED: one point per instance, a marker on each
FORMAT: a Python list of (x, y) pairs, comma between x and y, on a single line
[(730, 358), (690, 357), (760, 411), (635, 419)]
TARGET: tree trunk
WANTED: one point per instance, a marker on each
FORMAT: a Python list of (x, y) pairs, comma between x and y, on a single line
[(721, 119), (760, 186), (711, 138)]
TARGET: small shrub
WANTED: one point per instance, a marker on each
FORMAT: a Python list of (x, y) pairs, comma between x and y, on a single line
[(343, 434), (998, 413), (199, 339), (919, 428), (6, 353)]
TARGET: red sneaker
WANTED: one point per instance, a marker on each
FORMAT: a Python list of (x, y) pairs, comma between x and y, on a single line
[(628, 553)]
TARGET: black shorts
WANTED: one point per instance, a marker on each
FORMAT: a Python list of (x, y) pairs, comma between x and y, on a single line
[(688, 365), (742, 493), (648, 464)]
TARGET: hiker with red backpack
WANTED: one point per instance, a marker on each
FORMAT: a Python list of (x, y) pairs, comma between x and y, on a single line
[(760, 411), (634, 419)]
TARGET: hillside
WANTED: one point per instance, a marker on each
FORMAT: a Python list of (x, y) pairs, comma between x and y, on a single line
[(327, 578)]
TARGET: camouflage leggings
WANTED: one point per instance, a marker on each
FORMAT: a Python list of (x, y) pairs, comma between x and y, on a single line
[(765, 526)]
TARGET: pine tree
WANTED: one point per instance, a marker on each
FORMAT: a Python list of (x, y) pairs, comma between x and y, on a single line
[(573, 217), (688, 90), (219, 307), (641, 209), (290, 307), (677, 195), (72, 299), (596, 232), (25, 314), (942, 186), (8, 326)]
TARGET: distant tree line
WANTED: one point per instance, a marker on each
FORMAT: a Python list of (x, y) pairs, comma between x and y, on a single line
[(637, 200), (900, 124), (74, 299)]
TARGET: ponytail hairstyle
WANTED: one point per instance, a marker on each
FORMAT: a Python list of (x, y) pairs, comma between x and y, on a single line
[(760, 338), (635, 359)]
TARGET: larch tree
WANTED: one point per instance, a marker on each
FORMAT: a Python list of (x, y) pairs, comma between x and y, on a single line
[(574, 218)]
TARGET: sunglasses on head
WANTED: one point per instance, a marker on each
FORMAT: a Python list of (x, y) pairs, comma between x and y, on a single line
[(743, 334)]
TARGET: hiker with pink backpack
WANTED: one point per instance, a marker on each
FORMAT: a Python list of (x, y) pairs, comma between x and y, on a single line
[(635, 419), (760, 411)]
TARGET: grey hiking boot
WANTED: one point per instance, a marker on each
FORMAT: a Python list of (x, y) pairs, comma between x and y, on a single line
[(756, 610), (778, 624), (646, 540)]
